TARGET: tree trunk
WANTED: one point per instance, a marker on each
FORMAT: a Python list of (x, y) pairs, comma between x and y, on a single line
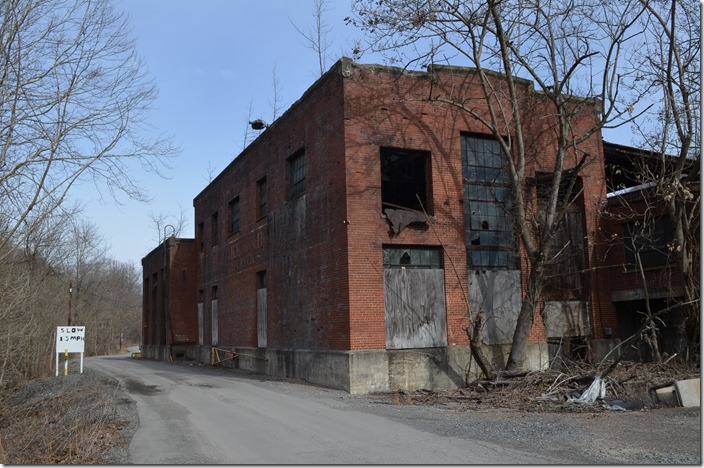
[(524, 324)]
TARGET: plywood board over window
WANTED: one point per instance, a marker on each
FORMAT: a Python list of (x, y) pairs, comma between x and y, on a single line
[(261, 309), (214, 316), (414, 298)]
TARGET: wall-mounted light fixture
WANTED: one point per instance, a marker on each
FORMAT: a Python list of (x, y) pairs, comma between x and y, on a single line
[(258, 124)]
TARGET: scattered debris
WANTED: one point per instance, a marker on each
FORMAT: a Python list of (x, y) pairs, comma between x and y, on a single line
[(630, 387)]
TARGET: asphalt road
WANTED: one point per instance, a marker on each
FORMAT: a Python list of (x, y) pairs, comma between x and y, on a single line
[(196, 416)]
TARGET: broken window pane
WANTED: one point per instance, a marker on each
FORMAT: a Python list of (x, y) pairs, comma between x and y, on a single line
[(487, 205), (412, 257)]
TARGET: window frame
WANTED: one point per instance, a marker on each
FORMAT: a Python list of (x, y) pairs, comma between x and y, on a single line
[(297, 174), (428, 257), (262, 197), (235, 214), (490, 246), (214, 228), (396, 175)]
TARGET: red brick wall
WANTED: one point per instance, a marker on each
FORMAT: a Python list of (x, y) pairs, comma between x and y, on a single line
[(614, 274), (301, 243), (182, 291), (323, 252), (173, 262), (386, 110)]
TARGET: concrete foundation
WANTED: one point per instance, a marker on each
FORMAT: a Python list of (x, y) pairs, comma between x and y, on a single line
[(162, 353), (359, 372)]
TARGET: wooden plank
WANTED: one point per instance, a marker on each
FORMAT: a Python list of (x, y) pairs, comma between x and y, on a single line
[(414, 308), (200, 324), (261, 318), (214, 322)]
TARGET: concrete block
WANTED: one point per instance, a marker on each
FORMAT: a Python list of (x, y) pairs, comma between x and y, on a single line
[(666, 396), (689, 393)]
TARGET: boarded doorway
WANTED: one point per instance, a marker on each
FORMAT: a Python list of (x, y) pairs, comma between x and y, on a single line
[(261, 309), (214, 316), (414, 298)]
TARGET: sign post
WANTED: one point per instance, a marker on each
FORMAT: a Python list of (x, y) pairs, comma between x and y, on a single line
[(69, 340)]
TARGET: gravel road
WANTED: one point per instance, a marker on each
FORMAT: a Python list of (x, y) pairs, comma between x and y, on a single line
[(658, 436)]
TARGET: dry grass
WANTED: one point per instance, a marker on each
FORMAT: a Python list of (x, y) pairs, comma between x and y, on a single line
[(66, 420)]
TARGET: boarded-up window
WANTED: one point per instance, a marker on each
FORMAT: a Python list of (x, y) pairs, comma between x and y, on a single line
[(200, 324), (214, 316), (414, 298), (261, 309)]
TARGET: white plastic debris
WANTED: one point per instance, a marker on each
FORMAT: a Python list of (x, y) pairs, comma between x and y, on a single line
[(596, 390)]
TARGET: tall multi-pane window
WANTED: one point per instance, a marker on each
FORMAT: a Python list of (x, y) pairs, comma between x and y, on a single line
[(487, 205), (235, 215), (297, 172), (262, 197)]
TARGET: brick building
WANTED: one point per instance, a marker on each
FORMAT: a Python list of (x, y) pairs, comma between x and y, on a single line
[(344, 245), (637, 228), (169, 325)]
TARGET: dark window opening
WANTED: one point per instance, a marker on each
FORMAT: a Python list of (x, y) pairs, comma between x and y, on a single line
[(261, 279), (214, 227), (297, 174), (650, 241), (412, 257), (405, 179), (488, 212), (565, 271), (235, 215), (201, 235), (569, 192), (262, 198)]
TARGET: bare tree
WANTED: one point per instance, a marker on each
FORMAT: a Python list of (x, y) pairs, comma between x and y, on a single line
[(170, 224), (316, 36), (669, 70), (567, 49), (276, 95), (247, 135), (61, 271), (73, 96)]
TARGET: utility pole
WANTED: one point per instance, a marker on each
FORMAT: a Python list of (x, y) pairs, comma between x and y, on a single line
[(70, 294)]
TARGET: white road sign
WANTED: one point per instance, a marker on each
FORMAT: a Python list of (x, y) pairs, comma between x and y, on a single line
[(72, 339)]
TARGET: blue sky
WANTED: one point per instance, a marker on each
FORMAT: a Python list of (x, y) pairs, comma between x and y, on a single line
[(211, 60)]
